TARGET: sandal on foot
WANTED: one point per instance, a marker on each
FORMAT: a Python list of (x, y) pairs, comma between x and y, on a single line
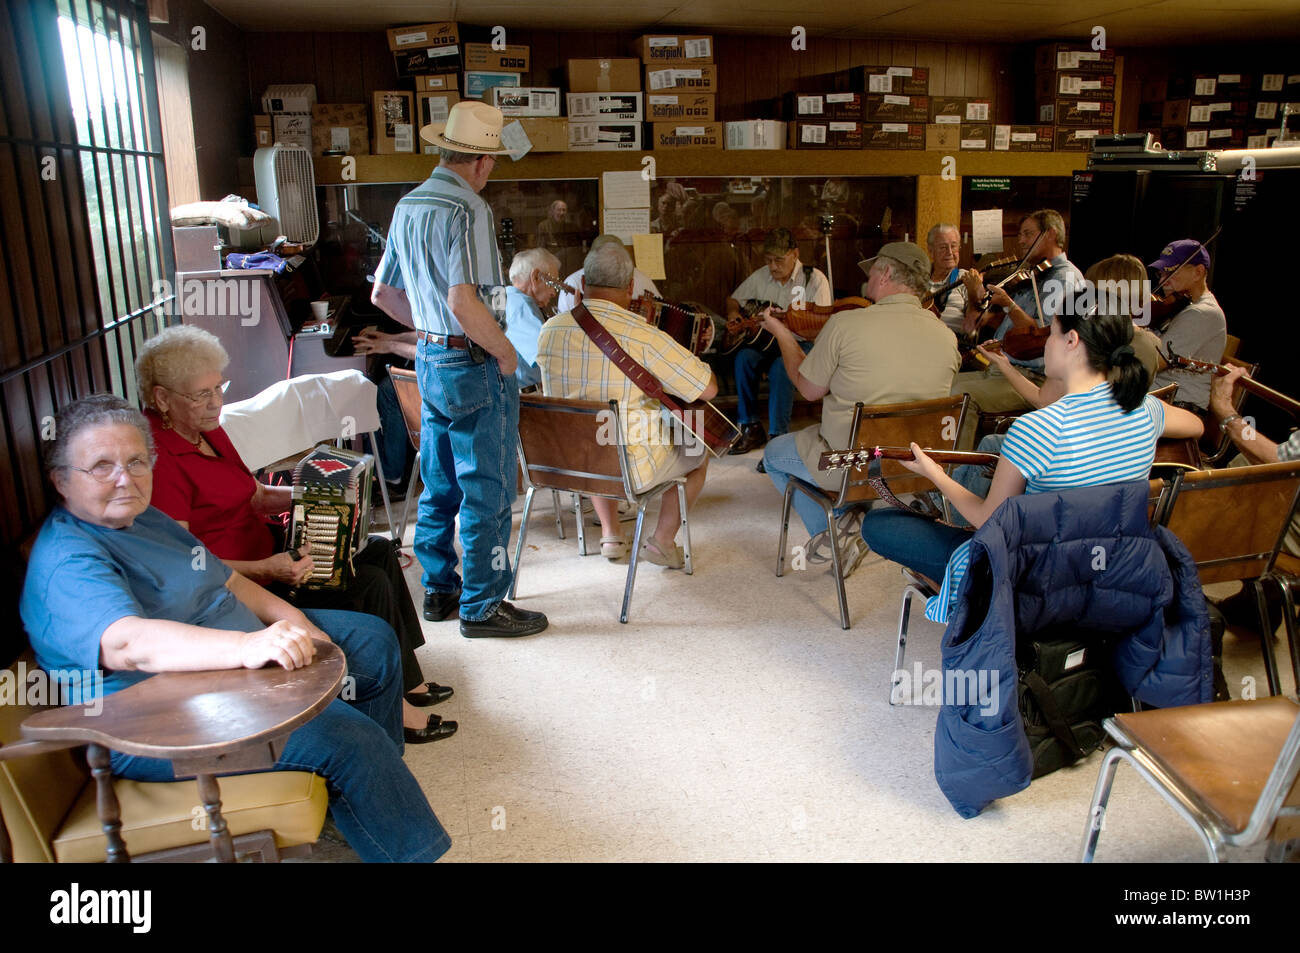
[(613, 547), (673, 560)]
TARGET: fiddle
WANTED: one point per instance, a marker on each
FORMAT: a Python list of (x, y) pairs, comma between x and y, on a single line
[(1163, 309), (806, 322)]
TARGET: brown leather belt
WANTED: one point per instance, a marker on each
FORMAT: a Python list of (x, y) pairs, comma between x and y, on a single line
[(456, 340)]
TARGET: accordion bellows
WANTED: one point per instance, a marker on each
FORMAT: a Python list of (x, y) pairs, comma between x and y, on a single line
[(331, 513)]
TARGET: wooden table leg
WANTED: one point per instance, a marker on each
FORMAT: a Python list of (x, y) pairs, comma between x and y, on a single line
[(223, 846), (110, 812)]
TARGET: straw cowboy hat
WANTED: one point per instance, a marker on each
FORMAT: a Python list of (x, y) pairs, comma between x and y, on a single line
[(471, 127)]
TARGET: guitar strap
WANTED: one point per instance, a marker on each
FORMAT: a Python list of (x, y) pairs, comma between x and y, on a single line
[(639, 376)]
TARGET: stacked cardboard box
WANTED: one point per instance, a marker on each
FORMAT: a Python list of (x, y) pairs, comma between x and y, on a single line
[(960, 122), (895, 107), (340, 128), (426, 48), (288, 116), (605, 104), (681, 87), (1075, 90), (1204, 110)]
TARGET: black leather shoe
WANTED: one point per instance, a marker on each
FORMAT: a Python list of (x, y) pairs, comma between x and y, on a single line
[(506, 623), (432, 694), (435, 730), (760, 468), (752, 436), (440, 605)]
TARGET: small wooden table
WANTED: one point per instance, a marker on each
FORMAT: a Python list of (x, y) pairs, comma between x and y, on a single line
[(205, 723)]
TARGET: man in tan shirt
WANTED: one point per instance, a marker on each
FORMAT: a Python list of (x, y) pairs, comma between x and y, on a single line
[(892, 352)]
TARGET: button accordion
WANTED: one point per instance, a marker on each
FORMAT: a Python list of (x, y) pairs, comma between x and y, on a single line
[(331, 513)]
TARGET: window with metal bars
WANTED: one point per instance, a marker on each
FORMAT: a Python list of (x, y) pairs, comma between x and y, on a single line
[(83, 214)]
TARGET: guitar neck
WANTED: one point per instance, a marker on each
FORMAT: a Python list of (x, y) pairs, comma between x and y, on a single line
[(839, 459), (1248, 384)]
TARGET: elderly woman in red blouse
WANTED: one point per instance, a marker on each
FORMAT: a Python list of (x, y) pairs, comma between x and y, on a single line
[(201, 482)]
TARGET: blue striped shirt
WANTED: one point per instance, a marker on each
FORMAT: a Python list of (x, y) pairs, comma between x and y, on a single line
[(442, 234), (1083, 439)]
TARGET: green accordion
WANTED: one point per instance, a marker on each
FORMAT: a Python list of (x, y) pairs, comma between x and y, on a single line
[(331, 513)]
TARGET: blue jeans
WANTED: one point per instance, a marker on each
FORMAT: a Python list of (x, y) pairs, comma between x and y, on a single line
[(973, 477), (356, 747), (750, 365), (468, 437), (781, 460), (394, 445), (912, 541)]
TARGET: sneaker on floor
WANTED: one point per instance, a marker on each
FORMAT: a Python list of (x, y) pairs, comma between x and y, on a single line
[(853, 549)]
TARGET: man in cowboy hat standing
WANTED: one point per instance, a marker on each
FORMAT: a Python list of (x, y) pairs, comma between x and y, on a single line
[(437, 274)]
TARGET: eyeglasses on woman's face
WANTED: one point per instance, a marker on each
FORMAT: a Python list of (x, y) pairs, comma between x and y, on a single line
[(205, 396), (107, 471)]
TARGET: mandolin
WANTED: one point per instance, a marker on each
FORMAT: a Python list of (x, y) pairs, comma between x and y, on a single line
[(806, 322)]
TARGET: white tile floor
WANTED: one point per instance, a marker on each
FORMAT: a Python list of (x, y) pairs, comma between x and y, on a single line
[(730, 720)]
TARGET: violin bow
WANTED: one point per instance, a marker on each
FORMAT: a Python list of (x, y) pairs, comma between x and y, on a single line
[(988, 295)]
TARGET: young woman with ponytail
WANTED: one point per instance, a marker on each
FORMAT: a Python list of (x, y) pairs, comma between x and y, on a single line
[(1103, 429)]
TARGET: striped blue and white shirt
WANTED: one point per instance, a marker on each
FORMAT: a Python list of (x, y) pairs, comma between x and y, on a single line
[(442, 234), (1083, 439)]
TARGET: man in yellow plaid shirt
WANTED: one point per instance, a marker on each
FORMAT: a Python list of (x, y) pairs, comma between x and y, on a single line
[(574, 367)]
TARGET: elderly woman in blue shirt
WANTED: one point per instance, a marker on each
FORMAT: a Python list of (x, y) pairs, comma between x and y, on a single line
[(115, 585)]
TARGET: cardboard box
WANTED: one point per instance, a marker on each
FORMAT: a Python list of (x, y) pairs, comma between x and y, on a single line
[(1271, 84), (893, 135), (756, 134), (291, 98), (1266, 111), (262, 131), (433, 107), (1221, 85), (478, 82), (1023, 138), (965, 137), (604, 76), (547, 134), (1175, 112), (816, 106), (434, 59), (600, 136), (291, 129), (896, 80), (1173, 138), (1063, 85), (960, 109), (1232, 137), (393, 127), (1077, 140), (660, 48), (670, 107), (481, 56), (1214, 114), (520, 101), (438, 83), (698, 79), (607, 107), (671, 135), (1083, 112), (1049, 57), (344, 126), (890, 107), (830, 134), (422, 36)]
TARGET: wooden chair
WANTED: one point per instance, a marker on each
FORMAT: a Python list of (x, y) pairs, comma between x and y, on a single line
[(560, 449), (407, 387), (1231, 345), (1228, 768), (53, 810), (935, 424), (1233, 522)]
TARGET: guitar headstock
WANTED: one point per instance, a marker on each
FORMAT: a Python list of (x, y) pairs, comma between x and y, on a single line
[(555, 284), (841, 459)]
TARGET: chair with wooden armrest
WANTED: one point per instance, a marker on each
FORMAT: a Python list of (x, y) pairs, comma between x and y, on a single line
[(560, 449), (933, 424), (1233, 522), (1228, 768), (49, 814), (407, 387)]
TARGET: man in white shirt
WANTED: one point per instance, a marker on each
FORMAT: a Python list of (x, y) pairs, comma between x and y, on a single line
[(785, 283), (641, 284), (946, 279)]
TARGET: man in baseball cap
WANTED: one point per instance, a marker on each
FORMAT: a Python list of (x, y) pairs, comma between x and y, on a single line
[(438, 274), (1199, 330), (892, 352)]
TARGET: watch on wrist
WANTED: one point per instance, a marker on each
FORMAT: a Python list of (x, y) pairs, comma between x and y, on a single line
[(1223, 424)]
